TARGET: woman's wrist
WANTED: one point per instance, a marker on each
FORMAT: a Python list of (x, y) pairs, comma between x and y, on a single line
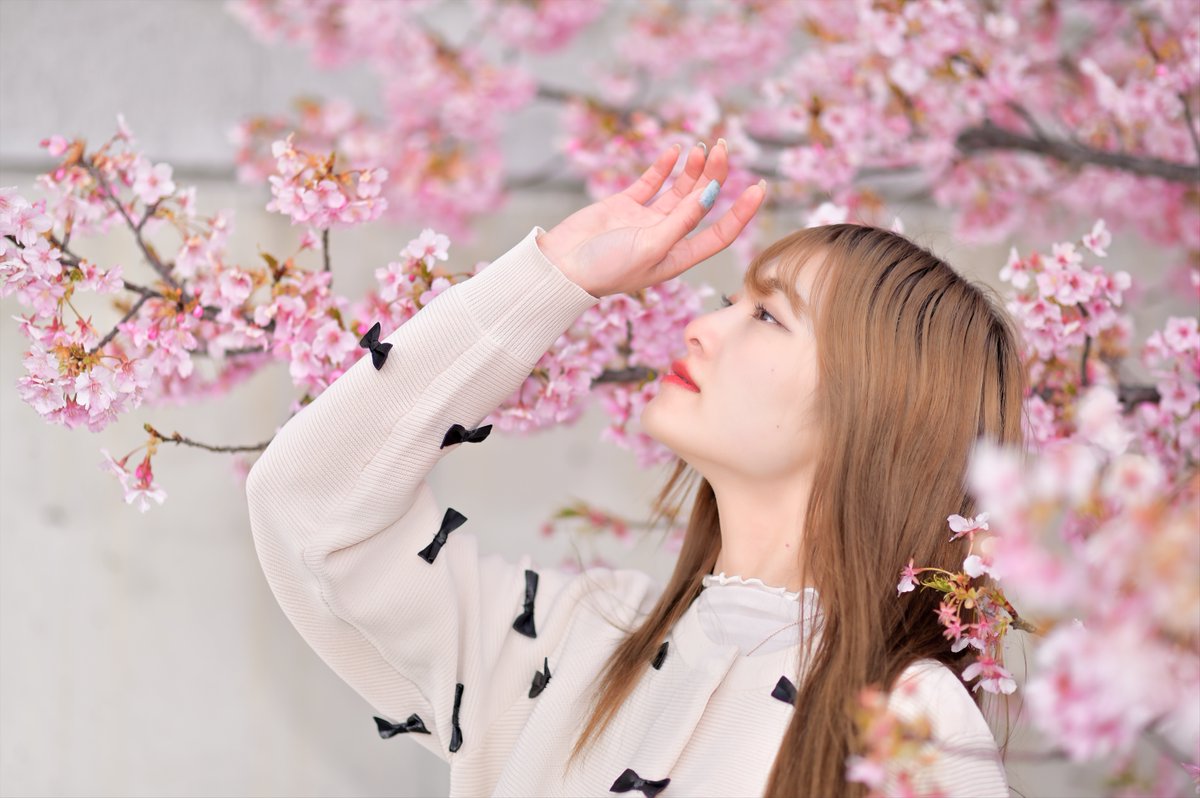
[(550, 248)]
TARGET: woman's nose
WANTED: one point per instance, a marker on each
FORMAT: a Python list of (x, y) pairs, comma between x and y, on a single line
[(699, 334)]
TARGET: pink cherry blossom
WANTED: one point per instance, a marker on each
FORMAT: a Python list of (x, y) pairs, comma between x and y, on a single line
[(993, 677), (152, 182), (963, 526), (908, 579), (1098, 239)]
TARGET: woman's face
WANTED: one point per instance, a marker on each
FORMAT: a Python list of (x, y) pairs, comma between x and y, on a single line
[(753, 416)]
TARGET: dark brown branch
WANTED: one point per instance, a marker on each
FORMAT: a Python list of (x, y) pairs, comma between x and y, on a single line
[(989, 136), (1133, 395), (1191, 125), (175, 437), (633, 374), (325, 247), (155, 263), (1087, 350), (117, 327)]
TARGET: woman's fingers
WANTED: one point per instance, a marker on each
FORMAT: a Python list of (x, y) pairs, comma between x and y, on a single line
[(687, 252), (652, 179), (692, 169)]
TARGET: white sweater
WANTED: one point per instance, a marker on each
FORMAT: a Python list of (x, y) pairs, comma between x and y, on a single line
[(392, 591)]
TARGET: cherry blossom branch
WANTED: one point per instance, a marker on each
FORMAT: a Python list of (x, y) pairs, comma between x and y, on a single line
[(157, 265), (147, 294), (990, 136), (1087, 348), (325, 247), (175, 437), (1191, 125), (984, 137)]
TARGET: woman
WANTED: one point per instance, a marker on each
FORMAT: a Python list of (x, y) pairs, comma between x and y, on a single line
[(831, 427)]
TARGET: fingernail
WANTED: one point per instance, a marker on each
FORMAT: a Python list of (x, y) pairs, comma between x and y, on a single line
[(723, 144), (710, 194), (763, 185), (703, 147)]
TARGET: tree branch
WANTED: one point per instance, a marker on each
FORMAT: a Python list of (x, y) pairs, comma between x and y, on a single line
[(175, 437), (155, 263), (989, 136)]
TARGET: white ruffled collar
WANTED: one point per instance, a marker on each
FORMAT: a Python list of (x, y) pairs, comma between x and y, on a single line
[(721, 578)]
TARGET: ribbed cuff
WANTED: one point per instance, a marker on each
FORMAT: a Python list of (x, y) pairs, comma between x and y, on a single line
[(523, 301)]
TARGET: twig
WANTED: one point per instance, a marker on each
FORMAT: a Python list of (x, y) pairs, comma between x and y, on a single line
[(175, 437), (1087, 348), (117, 327), (155, 263), (325, 247)]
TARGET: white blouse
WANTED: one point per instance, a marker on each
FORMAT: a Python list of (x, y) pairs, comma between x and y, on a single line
[(755, 617)]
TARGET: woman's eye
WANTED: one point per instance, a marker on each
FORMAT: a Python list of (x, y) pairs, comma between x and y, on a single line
[(760, 312)]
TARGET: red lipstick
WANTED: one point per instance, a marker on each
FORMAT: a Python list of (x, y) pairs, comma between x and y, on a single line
[(679, 376)]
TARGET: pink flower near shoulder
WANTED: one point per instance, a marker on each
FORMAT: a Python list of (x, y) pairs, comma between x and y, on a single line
[(994, 678)]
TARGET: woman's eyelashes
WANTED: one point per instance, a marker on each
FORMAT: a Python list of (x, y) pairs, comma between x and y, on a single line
[(760, 312)]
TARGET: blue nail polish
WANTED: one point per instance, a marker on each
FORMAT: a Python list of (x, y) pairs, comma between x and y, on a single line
[(710, 195)]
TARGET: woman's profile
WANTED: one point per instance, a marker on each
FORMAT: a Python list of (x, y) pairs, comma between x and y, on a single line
[(825, 415)]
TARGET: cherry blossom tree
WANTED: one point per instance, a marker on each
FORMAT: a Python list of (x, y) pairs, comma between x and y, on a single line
[(1054, 119)]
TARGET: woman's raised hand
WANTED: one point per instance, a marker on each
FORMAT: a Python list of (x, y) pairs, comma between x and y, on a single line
[(622, 244)]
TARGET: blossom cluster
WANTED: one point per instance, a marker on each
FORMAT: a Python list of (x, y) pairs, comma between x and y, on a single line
[(892, 752), (917, 85), (308, 190), (1064, 307), (1099, 542), (203, 306), (1170, 428)]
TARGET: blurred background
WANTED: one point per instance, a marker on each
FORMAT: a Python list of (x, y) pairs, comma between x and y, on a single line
[(143, 654)]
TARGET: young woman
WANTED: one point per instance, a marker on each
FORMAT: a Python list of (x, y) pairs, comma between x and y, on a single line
[(829, 413)]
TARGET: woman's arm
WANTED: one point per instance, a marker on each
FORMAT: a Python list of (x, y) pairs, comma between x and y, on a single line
[(968, 759), (379, 580), (341, 511)]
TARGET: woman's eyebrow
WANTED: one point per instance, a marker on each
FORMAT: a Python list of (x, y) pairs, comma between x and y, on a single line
[(774, 286)]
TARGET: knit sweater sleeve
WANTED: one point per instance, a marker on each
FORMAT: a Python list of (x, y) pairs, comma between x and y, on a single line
[(344, 521), (967, 760)]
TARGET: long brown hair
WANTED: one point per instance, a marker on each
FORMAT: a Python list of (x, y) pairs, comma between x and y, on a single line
[(916, 362)]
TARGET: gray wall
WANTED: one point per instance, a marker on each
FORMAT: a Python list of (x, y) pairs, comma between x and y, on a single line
[(144, 654)]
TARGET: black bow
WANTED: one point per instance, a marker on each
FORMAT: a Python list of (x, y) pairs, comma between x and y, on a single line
[(660, 656), (631, 781), (451, 521), (524, 621), (413, 724), (456, 732), (540, 680), (458, 433), (379, 352), (785, 691)]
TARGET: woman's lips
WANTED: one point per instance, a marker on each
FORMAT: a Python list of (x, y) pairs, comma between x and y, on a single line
[(675, 379)]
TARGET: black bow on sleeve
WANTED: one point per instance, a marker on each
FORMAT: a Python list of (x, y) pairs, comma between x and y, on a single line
[(524, 621), (413, 724), (785, 691), (456, 731), (540, 679), (631, 781), (458, 434), (451, 521), (379, 352), (660, 656)]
